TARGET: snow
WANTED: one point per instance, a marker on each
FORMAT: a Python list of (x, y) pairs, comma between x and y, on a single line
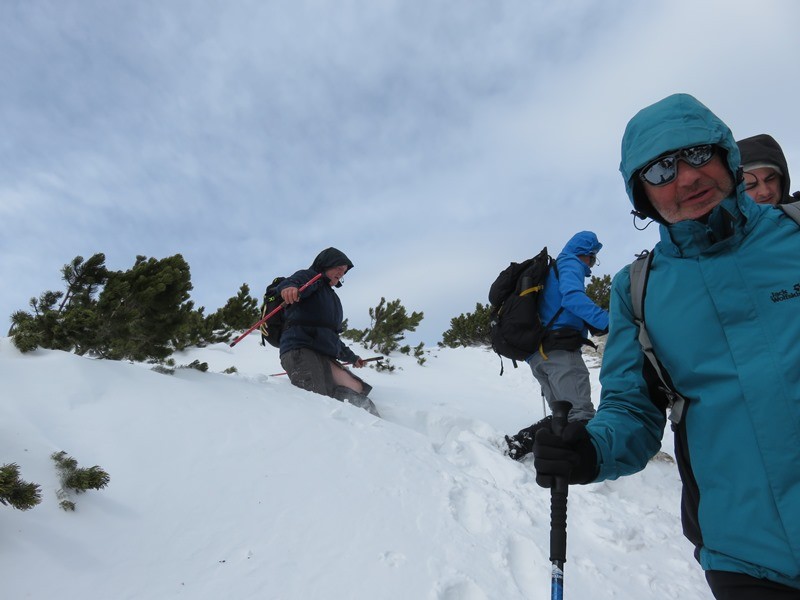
[(241, 486)]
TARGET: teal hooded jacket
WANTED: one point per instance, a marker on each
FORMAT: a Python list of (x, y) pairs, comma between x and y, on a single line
[(722, 308)]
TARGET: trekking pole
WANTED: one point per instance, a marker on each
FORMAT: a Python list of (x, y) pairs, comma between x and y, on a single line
[(558, 511), (374, 358), (273, 312)]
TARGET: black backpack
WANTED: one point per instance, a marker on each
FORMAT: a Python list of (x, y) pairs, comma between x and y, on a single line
[(272, 329), (516, 330)]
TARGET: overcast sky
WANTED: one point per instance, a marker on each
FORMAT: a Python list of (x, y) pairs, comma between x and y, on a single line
[(432, 142)]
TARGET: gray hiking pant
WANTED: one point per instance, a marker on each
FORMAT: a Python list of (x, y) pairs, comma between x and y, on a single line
[(312, 371), (564, 376)]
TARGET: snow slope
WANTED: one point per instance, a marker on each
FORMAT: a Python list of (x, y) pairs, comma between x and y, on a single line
[(240, 486)]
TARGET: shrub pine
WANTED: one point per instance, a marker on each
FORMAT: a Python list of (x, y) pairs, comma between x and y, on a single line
[(16, 492), (469, 329)]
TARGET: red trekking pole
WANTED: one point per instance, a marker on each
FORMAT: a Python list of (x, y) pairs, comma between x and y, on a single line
[(273, 312)]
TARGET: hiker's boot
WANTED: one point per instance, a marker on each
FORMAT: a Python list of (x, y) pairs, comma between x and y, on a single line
[(530, 431), (349, 396), (521, 444)]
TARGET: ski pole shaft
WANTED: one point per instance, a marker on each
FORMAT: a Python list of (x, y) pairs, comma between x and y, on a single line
[(272, 312), (558, 511), (374, 358)]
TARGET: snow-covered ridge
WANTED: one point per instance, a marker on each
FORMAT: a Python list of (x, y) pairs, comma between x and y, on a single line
[(241, 486)]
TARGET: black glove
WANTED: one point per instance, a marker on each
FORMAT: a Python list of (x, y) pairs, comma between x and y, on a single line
[(571, 456)]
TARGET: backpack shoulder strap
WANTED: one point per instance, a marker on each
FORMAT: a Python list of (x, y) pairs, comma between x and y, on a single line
[(639, 271), (639, 274), (792, 209)]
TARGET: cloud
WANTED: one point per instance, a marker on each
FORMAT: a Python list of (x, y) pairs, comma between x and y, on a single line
[(433, 142)]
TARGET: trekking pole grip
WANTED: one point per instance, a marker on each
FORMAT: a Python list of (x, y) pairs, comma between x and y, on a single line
[(558, 510)]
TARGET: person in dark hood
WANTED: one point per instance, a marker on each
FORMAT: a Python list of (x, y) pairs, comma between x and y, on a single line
[(558, 365), (766, 174), (310, 345)]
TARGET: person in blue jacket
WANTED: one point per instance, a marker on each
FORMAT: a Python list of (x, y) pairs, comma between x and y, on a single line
[(310, 345), (722, 306), (558, 365)]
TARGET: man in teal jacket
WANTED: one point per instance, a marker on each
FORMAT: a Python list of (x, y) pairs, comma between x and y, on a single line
[(722, 306)]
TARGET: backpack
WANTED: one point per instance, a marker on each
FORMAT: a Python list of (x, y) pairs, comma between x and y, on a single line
[(272, 329), (662, 383), (516, 331)]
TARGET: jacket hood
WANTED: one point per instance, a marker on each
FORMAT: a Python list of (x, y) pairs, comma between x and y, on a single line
[(763, 148), (331, 257), (582, 243), (677, 121)]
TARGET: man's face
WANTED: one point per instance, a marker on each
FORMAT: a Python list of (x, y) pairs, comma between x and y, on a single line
[(763, 185), (693, 193), (336, 273), (590, 260)]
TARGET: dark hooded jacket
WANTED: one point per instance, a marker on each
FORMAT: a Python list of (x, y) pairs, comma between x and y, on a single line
[(763, 148), (315, 322)]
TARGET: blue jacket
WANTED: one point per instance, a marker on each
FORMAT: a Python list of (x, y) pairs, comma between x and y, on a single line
[(315, 322), (568, 288), (721, 307)]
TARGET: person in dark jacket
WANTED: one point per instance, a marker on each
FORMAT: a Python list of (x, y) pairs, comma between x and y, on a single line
[(766, 174), (722, 304), (558, 365), (310, 345)]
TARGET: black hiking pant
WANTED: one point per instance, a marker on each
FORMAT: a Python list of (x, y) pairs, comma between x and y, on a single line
[(738, 586)]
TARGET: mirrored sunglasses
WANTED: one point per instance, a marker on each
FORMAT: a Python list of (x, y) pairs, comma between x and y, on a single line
[(664, 169)]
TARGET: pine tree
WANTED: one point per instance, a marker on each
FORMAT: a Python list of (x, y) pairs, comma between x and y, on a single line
[(70, 325), (240, 311), (419, 352), (199, 330), (599, 290), (469, 329), (388, 324), (16, 492), (25, 332), (76, 479), (141, 312), (238, 314), (83, 279)]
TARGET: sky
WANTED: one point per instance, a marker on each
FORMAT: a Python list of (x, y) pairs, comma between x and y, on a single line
[(432, 142), (242, 486)]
